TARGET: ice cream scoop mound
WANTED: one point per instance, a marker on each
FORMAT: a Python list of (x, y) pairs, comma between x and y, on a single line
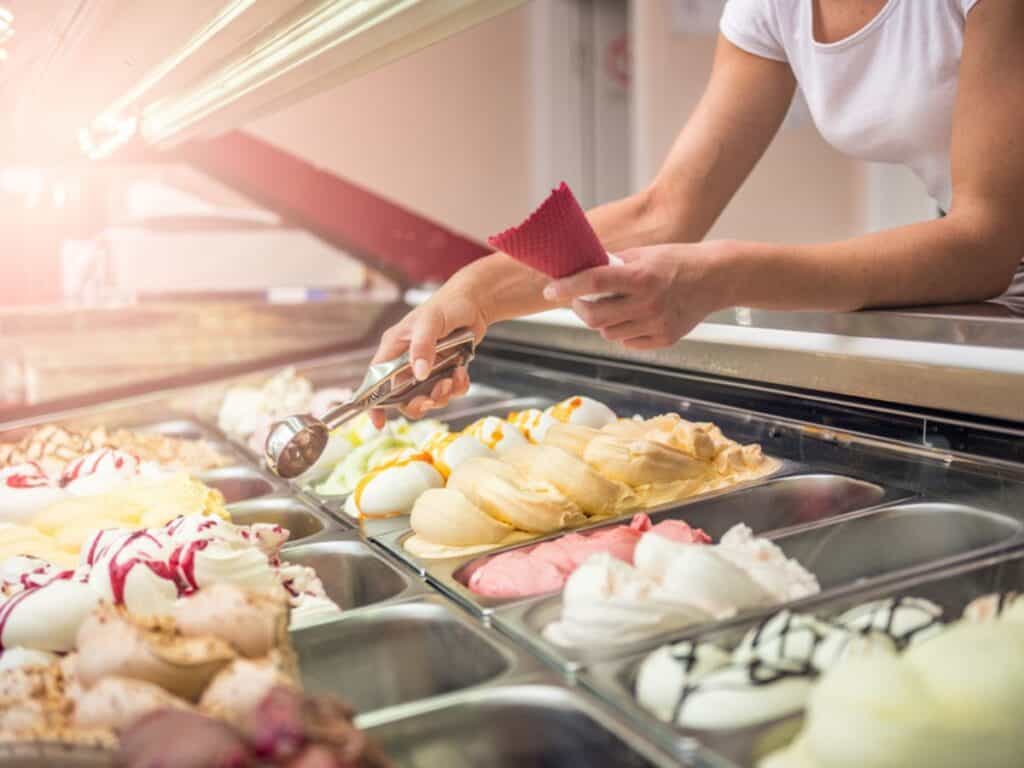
[(505, 494), (392, 490), (113, 643), (24, 490), (641, 462), (596, 495)]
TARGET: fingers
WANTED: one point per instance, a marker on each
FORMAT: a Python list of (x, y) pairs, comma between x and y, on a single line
[(379, 418), (631, 329), (426, 330), (418, 407), (587, 282), (460, 381), (648, 342), (394, 341), (609, 312)]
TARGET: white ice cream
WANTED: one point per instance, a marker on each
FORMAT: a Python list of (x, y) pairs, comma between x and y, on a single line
[(104, 470), (392, 491), (24, 490), (672, 584), (46, 618)]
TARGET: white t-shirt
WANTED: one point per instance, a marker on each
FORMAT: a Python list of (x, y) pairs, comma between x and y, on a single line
[(883, 94)]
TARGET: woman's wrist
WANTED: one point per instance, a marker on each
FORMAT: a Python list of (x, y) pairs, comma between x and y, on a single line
[(725, 264)]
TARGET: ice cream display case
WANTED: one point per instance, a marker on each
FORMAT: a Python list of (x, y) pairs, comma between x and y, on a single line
[(686, 626), (789, 540)]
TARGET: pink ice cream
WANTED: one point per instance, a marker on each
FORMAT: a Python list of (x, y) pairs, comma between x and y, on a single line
[(546, 566)]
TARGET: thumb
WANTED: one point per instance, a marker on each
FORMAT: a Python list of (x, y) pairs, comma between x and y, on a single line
[(630, 255), (589, 281), (429, 327)]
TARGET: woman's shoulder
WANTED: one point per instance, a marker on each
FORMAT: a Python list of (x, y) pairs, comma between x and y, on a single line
[(762, 27)]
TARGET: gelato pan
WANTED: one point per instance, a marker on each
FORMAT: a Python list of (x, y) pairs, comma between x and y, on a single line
[(580, 464)]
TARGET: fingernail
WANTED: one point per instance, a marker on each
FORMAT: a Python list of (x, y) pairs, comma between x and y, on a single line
[(421, 369), (550, 292), (446, 388)]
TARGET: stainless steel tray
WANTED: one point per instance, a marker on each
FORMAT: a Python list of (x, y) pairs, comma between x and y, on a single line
[(535, 722), (782, 501), (405, 650), (354, 575), (880, 546), (303, 521), (952, 589)]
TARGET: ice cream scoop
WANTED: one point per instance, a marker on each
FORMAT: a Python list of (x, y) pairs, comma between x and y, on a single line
[(506, 494), (295, 444)]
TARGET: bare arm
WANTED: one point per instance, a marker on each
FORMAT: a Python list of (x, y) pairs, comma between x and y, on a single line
[(738, 115), (969, 255), (742, 108)]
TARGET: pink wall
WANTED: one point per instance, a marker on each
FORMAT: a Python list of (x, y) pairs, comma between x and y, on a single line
[(802, 191), (444, 131), (447, 132)]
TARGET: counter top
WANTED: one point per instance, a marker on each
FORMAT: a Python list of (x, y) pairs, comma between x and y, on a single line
[(963, 359)]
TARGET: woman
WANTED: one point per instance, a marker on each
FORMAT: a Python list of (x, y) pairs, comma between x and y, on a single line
[(936, 85)]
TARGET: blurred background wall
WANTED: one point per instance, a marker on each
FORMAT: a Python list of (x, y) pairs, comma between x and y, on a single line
[(471, 132)]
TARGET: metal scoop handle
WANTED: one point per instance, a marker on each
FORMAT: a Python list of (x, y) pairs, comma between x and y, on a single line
[(295, 444), (392, 383)]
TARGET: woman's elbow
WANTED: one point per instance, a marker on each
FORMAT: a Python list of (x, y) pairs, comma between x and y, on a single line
[(996, 245)]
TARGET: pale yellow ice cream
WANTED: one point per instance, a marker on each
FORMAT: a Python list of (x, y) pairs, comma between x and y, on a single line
[(507, 495), (570, 438), (581, 465), (595, 494), (57, 532), (446, 524)]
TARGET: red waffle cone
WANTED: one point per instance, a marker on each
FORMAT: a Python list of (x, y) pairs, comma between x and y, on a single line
[(556, 239)]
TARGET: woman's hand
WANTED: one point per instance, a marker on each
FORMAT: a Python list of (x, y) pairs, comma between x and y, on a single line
[(661, 293), (453, 306)]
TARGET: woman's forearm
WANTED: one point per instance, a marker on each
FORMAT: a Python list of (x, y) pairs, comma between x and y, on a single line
[(934, 262)]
